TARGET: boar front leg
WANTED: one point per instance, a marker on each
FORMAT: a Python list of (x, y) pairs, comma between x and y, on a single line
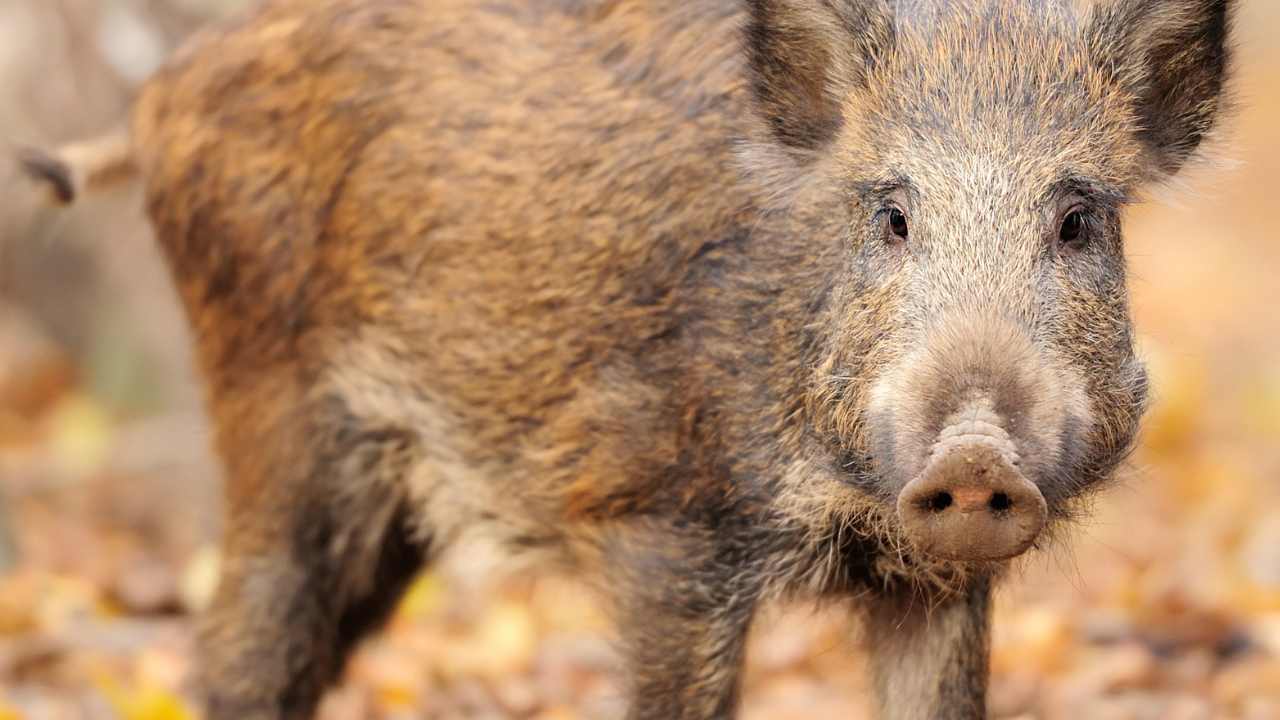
[(929, 658), (684, 608), (321, 541)]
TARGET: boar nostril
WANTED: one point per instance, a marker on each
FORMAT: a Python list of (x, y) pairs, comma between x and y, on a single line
[(940, 501), (1000, 502)]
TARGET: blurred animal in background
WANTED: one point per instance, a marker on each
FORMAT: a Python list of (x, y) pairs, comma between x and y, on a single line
[(711, 302)]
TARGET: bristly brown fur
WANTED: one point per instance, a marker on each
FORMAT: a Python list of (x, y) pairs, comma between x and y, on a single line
[(613, 282)]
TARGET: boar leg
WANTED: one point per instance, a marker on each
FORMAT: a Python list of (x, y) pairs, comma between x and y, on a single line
[(684, 609), (321, 544), (929, 657)]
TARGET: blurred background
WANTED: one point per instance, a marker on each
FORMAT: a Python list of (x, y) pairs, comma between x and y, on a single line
[(1165, 607)]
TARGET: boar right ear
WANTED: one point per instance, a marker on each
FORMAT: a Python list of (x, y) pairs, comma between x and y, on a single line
[(1174, 55), (805, 56)]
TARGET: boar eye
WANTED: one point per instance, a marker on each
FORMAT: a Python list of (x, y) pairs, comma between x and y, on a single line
[(1072, 228), (898, 222)]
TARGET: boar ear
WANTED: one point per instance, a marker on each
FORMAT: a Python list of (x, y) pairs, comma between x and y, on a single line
[(805, 55), (1175, 56)]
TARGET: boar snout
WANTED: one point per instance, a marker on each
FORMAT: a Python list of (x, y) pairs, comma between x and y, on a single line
[(971, 502)]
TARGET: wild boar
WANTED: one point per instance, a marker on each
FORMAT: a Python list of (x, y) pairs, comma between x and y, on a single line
[(712, 302)]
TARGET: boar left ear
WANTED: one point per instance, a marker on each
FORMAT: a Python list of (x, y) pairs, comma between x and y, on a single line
[(805, 56), (1174, 55)]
